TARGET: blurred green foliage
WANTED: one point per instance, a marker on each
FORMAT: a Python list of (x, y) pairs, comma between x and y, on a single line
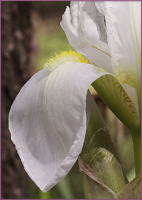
[(49, 36), (49, 45)]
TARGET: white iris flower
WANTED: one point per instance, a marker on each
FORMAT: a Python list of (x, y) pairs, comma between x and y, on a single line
[(49, 117)]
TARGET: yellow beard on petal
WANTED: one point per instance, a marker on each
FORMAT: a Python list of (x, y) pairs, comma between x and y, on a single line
[(65, 56)]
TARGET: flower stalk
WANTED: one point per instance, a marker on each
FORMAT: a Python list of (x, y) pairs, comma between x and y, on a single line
[(136, 137)]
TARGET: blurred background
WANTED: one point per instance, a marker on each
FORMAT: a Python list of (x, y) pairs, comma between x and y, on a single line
[(31, 34)]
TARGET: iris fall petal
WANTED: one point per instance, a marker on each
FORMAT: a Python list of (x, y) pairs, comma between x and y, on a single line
[(48, 121)]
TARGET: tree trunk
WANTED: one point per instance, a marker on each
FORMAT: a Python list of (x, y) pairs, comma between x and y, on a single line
[(16, 37)]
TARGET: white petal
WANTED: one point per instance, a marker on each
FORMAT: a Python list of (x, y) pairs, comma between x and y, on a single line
[(74, 9), (124, 33), (76, 32), (48, 122), (93, 26)]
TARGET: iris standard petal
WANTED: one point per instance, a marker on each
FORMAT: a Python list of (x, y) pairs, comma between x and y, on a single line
[(93, 26), (76, 34), (75, 13), (124, 39)]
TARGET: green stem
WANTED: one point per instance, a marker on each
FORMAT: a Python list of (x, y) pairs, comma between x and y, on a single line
[(136, 136)]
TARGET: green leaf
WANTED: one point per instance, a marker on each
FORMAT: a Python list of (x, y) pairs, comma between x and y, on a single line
[(104, 177), (132, 190)]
